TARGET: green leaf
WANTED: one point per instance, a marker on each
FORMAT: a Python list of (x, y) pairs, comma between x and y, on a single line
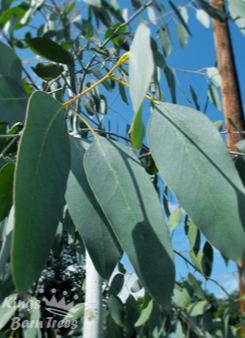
[(87, 215), (171, 82), (6, 188), (198, 308), (180, 16), (203, 17), (175, 218), (141, 65), (50, 50), (145, 314), (207, 259), (137, 130), (211, 10), (10, 64), (117, 284), (40, 181), (182, 35), (237, 11), (151, 15), (7, 310), (132, 207), (48, 71), (240, 160), (214, 76), (193, 161), (116, 310), (75, 313), (194, 97), (165, 41), (95, 3), (13, 100), (214, 97)]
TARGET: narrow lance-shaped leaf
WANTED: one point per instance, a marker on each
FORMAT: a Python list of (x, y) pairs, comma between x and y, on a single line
[(10, 64), (50, 50), (141, 65), (6, 188), (130, 203), (40, 181), (13, 100), (193, 161), (87, 215)]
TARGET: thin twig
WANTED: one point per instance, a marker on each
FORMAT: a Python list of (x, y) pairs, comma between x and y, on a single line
[(8, 146), (208, 278)]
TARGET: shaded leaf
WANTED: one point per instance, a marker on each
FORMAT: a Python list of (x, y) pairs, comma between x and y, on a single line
[(40, 182), (145, 314), (87, 215), (135, 216), (6, 188), (50, 50), (47, 71), (13, 100), (10, 64)]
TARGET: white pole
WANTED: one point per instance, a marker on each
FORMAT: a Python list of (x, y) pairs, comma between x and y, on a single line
[(92, 325)]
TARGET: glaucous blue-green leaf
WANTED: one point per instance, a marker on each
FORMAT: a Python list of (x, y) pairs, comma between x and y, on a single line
[(194, 162), (203, 17), (6, 188), (95, 3), (131, 205), (13, 100), (240, 160), (50, 50), (141, 65), (87, 215), (171, 82), (115, 307), (151, 15), (198, 308), (165, 41), (182, 35), (237, 11), (10, 64), (42, 169), (214, 76), (145, 314)]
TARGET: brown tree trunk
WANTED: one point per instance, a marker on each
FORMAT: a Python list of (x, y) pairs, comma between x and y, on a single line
[(232, 103)]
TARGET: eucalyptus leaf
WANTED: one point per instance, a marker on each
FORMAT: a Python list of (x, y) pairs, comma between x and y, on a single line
[(193, 161), (13, 100), (6, 188), (40, 181), (87, 215), (50, 50), (10, 64), (141, 65), (135, 216)]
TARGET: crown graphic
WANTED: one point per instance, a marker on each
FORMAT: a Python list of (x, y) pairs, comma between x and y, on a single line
[(58, 307)]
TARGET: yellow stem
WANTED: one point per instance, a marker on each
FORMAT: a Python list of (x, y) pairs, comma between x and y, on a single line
[(85, 122), (121, 60), (127, 85)]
